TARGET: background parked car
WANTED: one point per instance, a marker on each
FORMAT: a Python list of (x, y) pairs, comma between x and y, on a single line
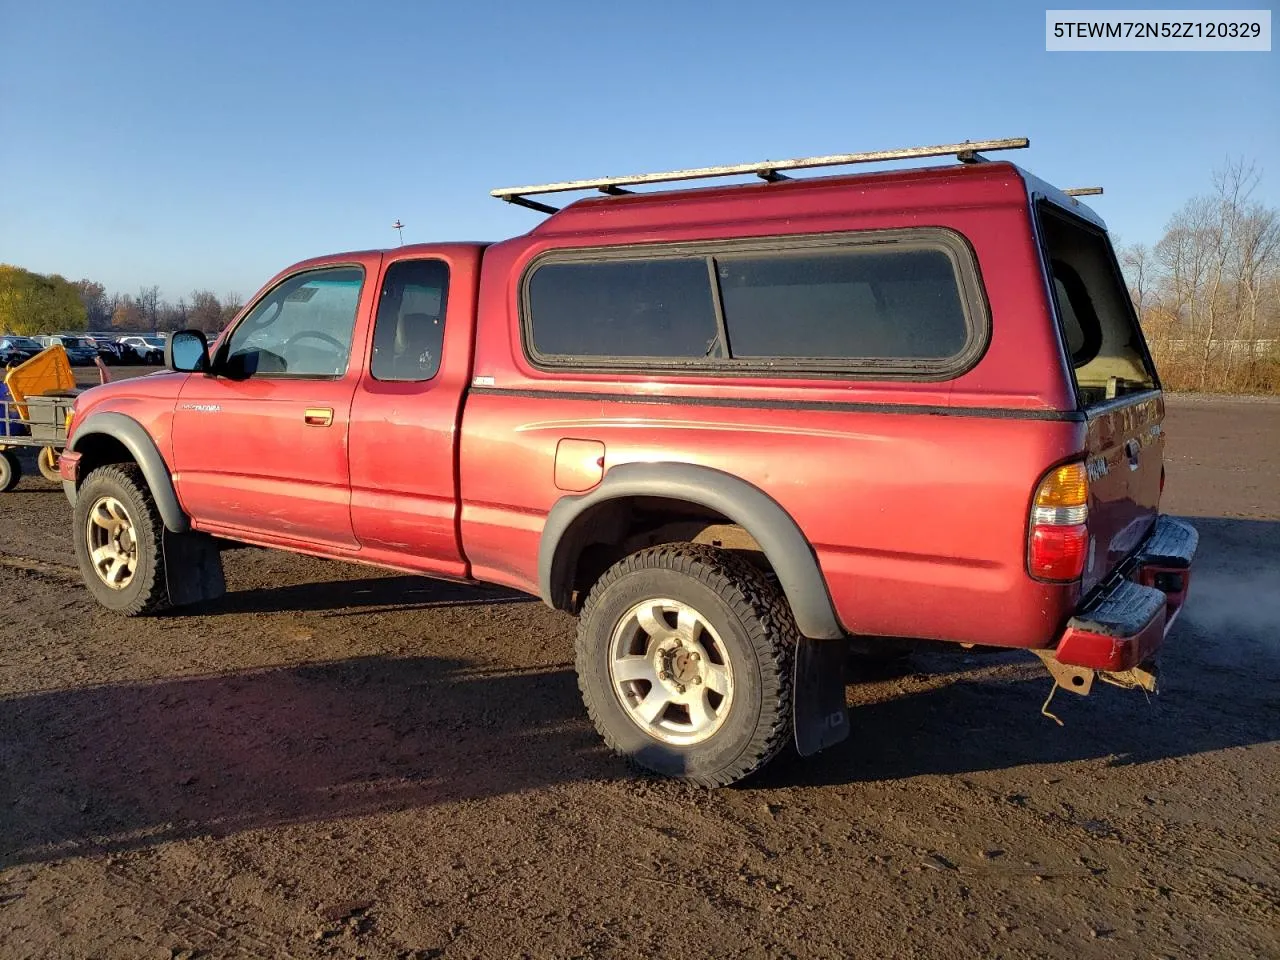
[(80, 350), (108, 350), (14, 350), (138, 349)]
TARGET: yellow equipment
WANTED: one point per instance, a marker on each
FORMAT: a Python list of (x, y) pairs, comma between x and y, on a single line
[(35, 410), (48, 372)]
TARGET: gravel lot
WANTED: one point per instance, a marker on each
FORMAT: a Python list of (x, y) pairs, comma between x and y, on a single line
[(336, 762)]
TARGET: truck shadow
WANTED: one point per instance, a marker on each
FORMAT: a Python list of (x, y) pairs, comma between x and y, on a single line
[(375, 594), (973, 725), (1219, 683), (122, 766), (117, 767)]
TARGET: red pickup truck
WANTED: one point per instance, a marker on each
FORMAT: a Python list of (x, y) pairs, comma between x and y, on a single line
[(729, 427)]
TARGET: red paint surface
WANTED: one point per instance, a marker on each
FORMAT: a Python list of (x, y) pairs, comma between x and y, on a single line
[(919, 520)]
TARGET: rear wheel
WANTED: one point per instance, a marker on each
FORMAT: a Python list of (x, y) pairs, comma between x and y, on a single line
[(118, 541), (10, 470), (684, 659)]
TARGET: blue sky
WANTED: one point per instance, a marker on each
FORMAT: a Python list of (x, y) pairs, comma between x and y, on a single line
[(210, 145)]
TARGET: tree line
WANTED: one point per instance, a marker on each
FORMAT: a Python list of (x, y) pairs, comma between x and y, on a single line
[(35, 303), (1208, 293), (200, 310)]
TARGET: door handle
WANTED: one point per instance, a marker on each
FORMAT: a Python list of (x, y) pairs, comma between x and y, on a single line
[(318, 416)]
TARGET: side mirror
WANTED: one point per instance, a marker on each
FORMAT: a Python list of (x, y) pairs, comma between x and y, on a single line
[(187, 351)]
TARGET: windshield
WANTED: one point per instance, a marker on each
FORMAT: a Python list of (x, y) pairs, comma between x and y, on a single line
[(73, 341), (25, 343), (153, 341)]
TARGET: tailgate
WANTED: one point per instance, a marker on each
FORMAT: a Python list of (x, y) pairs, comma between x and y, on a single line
[(1125, 456), (1115, 386)]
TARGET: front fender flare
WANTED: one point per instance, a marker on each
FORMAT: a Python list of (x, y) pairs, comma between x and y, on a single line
[(146, 454), (779, 536)]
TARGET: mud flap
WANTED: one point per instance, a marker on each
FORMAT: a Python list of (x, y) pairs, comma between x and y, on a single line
[(819, 714), (192, 568)]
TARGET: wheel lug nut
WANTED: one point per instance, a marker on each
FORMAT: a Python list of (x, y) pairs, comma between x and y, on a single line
[(697, 681), (662, 675), (694, 656)]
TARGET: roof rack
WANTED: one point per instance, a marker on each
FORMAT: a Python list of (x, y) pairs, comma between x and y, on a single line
[(768, 170), (1083, 191)]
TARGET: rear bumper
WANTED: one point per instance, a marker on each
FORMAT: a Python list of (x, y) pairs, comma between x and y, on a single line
[(1123, 625)]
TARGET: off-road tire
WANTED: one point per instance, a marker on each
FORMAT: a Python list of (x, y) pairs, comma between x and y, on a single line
[(753, 621), (10, 470), (146, 592)]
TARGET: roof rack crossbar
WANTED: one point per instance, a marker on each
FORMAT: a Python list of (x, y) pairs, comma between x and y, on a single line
[(767, 169), (1083, 191), (531, 204)]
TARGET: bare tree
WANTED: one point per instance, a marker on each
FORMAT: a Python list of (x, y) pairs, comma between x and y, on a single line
[(232, 304), (126, 314), (1211, 287), (206, 311), (94, 297), (1138, 262), (148, 306), (173, 316), (1256, 251)]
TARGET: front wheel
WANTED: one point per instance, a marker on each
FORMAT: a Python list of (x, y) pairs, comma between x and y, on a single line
[(117, 537), (684, 657)]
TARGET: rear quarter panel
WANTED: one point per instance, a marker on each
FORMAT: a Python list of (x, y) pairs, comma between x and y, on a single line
[(914, 495), (919, 522)]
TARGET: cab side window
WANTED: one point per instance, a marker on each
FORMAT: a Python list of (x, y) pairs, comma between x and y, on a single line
[(302, 328), (408, 334)]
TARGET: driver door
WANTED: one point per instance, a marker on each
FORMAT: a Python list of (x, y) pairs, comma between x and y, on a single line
[(260, 446)]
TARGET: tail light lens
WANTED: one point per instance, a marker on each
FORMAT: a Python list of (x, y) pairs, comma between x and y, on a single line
[(1059, 538)]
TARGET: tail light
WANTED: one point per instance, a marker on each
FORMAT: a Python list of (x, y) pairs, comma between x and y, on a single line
[(1059, 536)]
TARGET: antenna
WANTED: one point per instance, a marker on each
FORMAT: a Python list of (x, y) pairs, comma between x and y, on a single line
[(399, 227)]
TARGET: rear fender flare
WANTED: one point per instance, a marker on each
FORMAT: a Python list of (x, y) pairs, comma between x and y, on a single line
[(777, 533), (146, 454)]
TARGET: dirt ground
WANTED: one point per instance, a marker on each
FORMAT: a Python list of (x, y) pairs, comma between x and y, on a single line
[(334, 762)]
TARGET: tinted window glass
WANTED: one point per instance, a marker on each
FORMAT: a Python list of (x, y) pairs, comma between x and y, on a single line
[(409, 332), (855, 304), (1102, 334), (624, 308), (301, 328)]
